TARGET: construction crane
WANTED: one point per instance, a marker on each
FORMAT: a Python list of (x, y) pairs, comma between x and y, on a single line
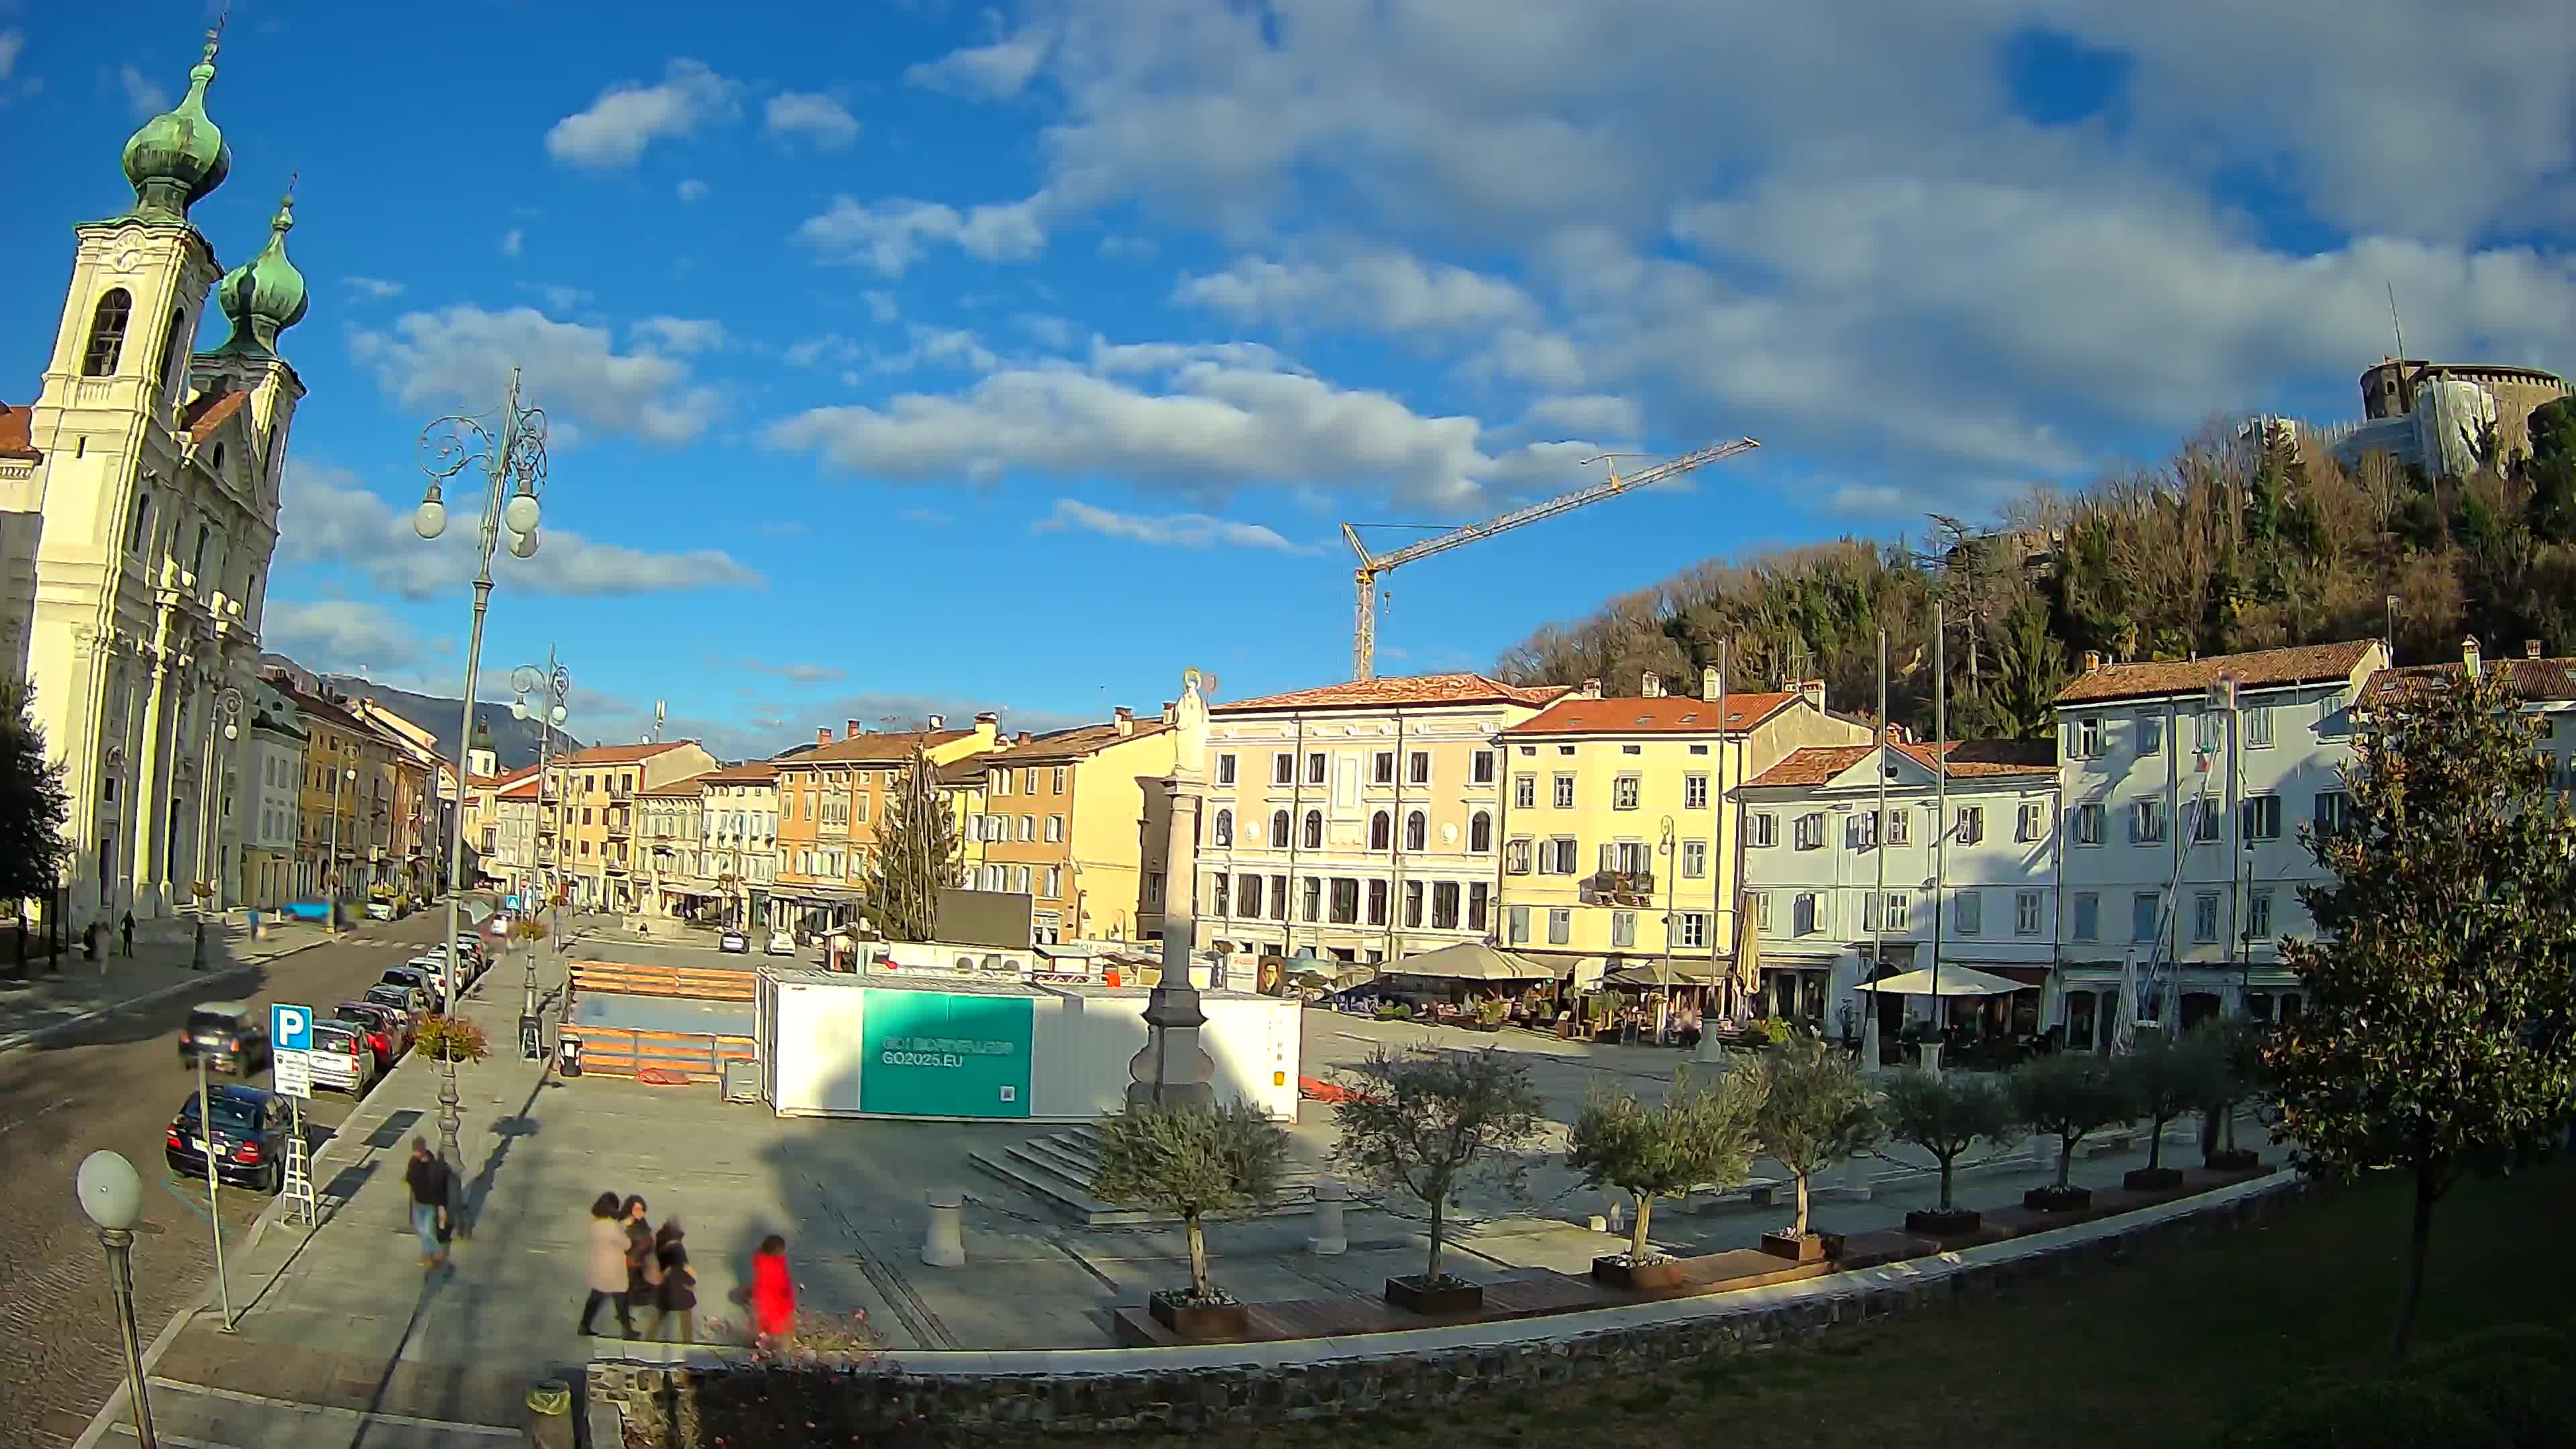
[(1372, 566)]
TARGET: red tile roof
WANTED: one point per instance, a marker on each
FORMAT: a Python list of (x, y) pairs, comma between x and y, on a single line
[(207, 411), (1064, 746), (16, 441), (619, 754), (884, 749), (2539, 679), (1968, 759), (1400, 692), (689, 786), (2305, 664), (524, 790), (1664, 714), (749, 772)]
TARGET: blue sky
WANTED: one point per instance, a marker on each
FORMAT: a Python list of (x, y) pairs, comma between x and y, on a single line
[(937, 357)]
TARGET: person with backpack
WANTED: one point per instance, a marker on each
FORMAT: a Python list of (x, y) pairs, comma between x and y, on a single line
[(676, 1295)]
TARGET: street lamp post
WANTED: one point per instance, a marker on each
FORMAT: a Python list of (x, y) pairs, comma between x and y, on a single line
[(210, 850), (553, 687), (513, 465), (111, 1194)]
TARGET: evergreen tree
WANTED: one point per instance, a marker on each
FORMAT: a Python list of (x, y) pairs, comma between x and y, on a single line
[(917, 855), (33, 802), (2439, 1034)]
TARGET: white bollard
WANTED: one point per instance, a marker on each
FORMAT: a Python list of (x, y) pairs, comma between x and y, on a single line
[(1932, 1059), (944, 1245), (1328, 1240), (1597, 1223), (1848, 1181)]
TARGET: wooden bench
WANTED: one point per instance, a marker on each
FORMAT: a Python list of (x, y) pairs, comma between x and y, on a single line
[(676, 1056)]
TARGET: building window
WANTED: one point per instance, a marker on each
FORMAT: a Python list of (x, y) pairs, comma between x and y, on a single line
[(1381, 831), (1315, 829), (2146, 822), (1444, 905), (2333, 812), (2088, 823), (1251, 891), (171, 343), (1283, 768), (1029, 780), (1418, 767), (1623, 930), (2258, 916), (1516, 857), (1056, 783), (1279, 898), (2258, 817), (2204, 916), (1762, 828), (2142, 916), (2026, 913), (2212, 733), (1525, 792), (1694, 792), (1480, 832), (1860, 832), (1224, 832), (1225, 769), (1564, 796), (1624, 792), (1413, 903), (1556, 856), (1029, 826), (1692, 929), (1314, 905), (1968, 913), (1278, 829), (2258, 727), (2088, 916), (1382, 768), (1694, 860), (2084, 739), (1626, 857), (1346, 901), (2151, 734), (1560, 925), (2204, 821), (1479, 904), (107, 333), (1480, 767), (1972, 824), (1809, 832), (2033, 823), (1417, 831), (1377, 901), (1315, 768), (1517, 925)]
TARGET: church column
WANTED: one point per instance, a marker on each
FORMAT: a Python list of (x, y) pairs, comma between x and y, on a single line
[(148, 805)]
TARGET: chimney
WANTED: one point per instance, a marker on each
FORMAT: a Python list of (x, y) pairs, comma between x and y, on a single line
[(2092, 661), (1591, 690), (1023, 738), (1814, 690), (2469, 655), (2530, 648), (1708, 686), (1652, 686), (987, 725), (1125, 719), (939, 721), (822, 734), (1171, 711)]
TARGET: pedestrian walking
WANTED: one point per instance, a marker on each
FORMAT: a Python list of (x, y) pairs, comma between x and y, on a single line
[(607, 1264), (429, 1180), (773, 1293), (129, 933), (643, 1266), (676, 1296)]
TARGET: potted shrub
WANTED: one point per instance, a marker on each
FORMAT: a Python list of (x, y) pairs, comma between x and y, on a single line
[(1192, 1160), (1427, 1123), (1698, 1136), (1945, 1115), (2165, 1078), (2238, 1047), (2070, 1096), (1393, 1011), (1491, 1012), (451, 1039), (1816, 1113)]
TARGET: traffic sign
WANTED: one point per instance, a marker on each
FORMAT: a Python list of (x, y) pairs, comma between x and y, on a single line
[(290, 1042)]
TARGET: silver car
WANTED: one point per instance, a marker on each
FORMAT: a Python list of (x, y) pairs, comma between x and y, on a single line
[(342, 1059)]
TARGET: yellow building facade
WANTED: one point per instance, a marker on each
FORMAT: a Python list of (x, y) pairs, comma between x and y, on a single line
[(1077, 821)]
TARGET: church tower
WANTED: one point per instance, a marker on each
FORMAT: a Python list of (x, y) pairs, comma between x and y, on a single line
[(154, 503)]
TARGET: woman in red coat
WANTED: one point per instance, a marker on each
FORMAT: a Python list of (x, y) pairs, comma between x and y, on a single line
[(773, 1294)]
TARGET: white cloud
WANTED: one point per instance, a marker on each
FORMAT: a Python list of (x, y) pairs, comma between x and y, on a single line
[(329, 518), (797, 673), (462, 355), (889, 236), (1051, 330), (372, 289), (818, 118), (881, 307), (1379, 291), (679, 334), (1169, 530), (142, 97), (338, 635), (12, 42), (986, 72), (1616, 417), (628, 116), (692, 189), (513, 242)]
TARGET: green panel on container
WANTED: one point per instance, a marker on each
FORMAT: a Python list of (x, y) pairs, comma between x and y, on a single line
[(934, 1054)]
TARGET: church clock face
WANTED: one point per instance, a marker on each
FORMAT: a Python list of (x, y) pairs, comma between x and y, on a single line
[(130, 260)]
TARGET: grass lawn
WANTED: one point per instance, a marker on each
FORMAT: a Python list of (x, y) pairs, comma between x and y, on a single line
[(2156, 1352)]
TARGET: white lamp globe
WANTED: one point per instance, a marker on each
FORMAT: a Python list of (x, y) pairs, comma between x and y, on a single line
[(559, 714), (109, 1190), (518, 709), (523, 545), (520, 513), (429, 520)]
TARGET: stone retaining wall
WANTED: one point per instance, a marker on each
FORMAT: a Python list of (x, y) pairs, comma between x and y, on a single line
[(1235, 1387)]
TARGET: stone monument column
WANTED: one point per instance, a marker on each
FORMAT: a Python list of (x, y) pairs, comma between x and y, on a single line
[(1173, 1068)]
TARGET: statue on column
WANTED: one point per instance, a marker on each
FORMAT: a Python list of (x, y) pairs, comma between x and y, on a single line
[(1173, 1068)]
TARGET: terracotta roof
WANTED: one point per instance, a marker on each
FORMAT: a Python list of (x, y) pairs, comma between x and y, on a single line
[(2551, 679), (1664, 714), (1968, 759), (689, 786), (749, 772), (207, 411), (2306, 664), (884, 749), (1067, 745), (619, 754), (524, 790), (961, 774), (16, 439), (1402, 691)]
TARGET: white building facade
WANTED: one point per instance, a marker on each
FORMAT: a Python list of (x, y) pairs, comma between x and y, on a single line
[(272, 869), (2185, 788), (739, 839), (1831, 879)]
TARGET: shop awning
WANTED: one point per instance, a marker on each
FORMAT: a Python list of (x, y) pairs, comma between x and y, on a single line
[(1470, 961), (1954, 981), (1680, 973)]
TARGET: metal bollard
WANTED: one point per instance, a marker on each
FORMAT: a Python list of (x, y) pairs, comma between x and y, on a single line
[(1328, 1239), (944, 1245)]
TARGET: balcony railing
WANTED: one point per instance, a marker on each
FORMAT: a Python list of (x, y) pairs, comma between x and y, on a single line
[(1619, 887)]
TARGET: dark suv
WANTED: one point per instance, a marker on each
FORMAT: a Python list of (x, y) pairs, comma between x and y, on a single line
[(250, 1138), (228, 1034)]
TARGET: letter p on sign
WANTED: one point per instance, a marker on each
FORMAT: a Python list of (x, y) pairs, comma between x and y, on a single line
[(290, 1028)]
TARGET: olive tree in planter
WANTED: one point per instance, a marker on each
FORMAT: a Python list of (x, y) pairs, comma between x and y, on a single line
[(1946, 1114), (2070, 1096), (2238, 1046), (1816, 1113), (1192, 1160), (2166, 1078), (1699, 1136), (1427, 1123)]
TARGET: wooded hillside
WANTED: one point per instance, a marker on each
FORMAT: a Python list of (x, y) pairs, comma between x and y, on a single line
[(2235, 544)]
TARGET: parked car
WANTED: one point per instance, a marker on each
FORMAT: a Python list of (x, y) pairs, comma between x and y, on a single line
[(422, 986), (229, 1034), (782, 943), (341, 1058), (306, 910), (249, 1138), (388, 1031), (380, 910), (733, 941), (404, 999)]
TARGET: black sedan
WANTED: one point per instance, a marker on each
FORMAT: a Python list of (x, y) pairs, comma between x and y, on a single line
[(250, 1137)]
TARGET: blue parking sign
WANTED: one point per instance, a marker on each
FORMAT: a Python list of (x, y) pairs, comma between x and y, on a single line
[(290, 1028)]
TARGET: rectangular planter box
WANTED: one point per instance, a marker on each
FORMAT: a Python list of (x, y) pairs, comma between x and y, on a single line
[(1813, 1248), (2151, 1179), (1932, 1223), (2040, 1200), (1610, 1272), (1409, 1293), (1210, 1321)]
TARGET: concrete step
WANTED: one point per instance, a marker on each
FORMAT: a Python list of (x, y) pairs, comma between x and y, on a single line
[(1080, 1163), (1057, 1170)]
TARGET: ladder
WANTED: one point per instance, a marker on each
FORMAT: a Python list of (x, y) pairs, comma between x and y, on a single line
[(2150, 977), (301, 1208)]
